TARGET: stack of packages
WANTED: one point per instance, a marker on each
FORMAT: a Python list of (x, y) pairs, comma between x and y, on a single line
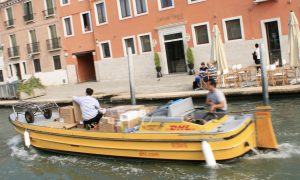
[(67, 115), (122, 118)]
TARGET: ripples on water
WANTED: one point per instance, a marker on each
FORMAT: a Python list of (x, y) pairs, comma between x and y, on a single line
[(281, 164)]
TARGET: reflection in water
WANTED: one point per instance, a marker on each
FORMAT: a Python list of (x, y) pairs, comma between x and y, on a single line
[(19, 162)]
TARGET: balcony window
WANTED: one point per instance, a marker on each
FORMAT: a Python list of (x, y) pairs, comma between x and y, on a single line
[(57, 63), (9, 17), (13, 51), (86, 22), (53, 44), (37, 65), (50, 10), (100, 13), (28, 12), (124, 9)]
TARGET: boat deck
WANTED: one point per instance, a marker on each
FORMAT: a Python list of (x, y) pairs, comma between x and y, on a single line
[(232, 123)]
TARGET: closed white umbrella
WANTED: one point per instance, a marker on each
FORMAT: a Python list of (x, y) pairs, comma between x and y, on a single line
[(217, 51), (294, 40)]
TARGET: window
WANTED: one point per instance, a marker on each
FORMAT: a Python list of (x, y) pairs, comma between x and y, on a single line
[(1, 76), (64, 2), (10, 70), (49, 8), (165, 4), (33, 46), (145, 43), (13, 50), (101, 16), (28, 12), (105, 50), (9, 17), (140, 7), (57, 63), (13, 41), (37, 65), (24, 66), (200, 34), (195, 1), (128, 42), (86, 22), (233, 28), (124, 9), (68, 26)]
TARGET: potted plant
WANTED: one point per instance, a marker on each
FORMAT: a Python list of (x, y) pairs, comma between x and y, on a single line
[(30, 88), (190, 60), (157, 65)]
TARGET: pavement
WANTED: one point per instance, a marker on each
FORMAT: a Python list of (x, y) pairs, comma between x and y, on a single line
[(168, 87)]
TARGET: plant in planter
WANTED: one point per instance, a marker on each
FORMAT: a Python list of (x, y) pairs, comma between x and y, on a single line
[(157, 65), (190, 60), (30, 88)]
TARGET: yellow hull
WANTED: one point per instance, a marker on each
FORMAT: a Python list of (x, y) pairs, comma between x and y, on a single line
[(179, 146)]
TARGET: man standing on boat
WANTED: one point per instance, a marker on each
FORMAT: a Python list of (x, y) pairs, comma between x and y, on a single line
[(215, 99), (90, 109)]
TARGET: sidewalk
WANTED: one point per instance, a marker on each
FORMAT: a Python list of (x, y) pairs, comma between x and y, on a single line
[(168, 87)]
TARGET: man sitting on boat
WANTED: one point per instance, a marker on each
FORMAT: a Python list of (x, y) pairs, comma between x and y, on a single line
[(90, 109), (216, 101)]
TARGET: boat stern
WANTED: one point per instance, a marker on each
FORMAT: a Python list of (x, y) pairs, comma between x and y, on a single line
[(265, 133)]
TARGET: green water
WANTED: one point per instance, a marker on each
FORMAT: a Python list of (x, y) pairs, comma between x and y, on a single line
[(18, 163)]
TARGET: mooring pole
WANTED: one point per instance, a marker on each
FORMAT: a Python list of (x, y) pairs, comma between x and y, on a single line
[(264, 78), (131, 80)]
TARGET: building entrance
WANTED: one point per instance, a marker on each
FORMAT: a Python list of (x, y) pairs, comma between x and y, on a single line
[(18, 71), (175, 54), (85, 66), (273, 41)]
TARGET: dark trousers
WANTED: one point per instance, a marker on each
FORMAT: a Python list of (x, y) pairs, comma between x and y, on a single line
[(94, 120), (257, 61)]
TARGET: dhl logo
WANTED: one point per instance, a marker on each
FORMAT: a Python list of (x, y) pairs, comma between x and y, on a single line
[(180, 128)]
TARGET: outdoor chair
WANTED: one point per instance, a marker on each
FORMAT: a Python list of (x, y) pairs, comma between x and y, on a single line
[(278, 75), (231, 78)]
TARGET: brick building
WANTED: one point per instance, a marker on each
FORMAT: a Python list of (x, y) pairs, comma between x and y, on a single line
[(97, 33), (31, 41)]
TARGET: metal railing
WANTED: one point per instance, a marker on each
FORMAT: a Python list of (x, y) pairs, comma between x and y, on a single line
[(9, 23), (49, 12), (33, 47), (53, 44), (13, 51), (28, 17), (8, 91)]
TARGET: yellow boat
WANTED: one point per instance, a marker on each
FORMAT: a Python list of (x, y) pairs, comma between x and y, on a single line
[(170, 133)]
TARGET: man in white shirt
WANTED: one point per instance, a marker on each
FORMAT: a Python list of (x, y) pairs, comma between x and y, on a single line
[(90, 109), (257, 55)]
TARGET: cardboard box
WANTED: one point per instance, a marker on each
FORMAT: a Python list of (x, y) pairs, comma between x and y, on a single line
[(105, 127), (109, 120), (77, 113), (130, 123), (115, 112), (67, 114)]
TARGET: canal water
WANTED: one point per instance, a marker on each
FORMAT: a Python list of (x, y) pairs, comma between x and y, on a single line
[(16, 162)]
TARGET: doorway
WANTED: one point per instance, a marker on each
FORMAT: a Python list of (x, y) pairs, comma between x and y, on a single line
[(85, 66), (273, 42), (18, 71), (175, 54)]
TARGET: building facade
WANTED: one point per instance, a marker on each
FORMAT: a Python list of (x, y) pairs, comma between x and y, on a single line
[(31, 41), (97, 33)]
